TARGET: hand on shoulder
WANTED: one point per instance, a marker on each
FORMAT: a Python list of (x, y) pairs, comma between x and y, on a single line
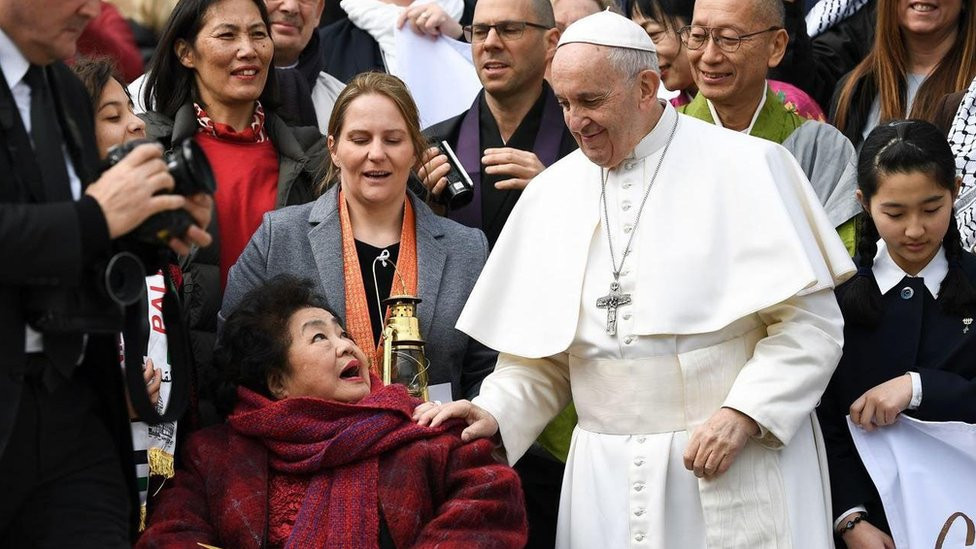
[(481, 424)]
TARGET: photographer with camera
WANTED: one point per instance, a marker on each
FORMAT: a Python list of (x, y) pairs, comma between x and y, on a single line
[(65, 450)]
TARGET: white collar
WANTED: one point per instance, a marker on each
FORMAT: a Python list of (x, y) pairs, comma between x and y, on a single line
[(658, 136), (889, 274), (12, 62), (755, 115)]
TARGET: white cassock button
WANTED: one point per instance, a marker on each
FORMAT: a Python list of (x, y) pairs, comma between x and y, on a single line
[(906, 292), (628, 340), (625, 206), (639, 461), (640, 440), (627, 184), (639, 536), (625, 272), (626, 316), (628, 165), (638, 486), (627, 228), (639, 512)]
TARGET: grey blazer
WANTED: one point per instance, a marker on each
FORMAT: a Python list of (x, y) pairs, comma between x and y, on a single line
[(306, 241)]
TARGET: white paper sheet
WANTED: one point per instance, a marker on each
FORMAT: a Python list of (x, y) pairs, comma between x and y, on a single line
[(439, 73)]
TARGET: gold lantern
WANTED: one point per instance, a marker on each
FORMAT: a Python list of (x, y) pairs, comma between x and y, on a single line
[(404, 361)]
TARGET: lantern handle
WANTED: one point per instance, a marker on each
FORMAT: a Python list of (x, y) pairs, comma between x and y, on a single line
[(383, 258)]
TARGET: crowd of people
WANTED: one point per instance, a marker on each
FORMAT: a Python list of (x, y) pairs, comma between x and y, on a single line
[(701, 242)]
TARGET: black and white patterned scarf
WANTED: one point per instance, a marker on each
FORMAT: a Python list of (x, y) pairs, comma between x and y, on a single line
[(962, 139), (827, 13)]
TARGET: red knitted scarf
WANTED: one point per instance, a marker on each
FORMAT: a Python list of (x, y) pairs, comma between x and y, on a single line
[(340, 443)]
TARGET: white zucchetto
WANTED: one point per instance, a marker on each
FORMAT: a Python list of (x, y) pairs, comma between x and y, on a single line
[(608, 29)]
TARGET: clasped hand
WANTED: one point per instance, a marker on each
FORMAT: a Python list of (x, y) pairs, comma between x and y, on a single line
[(881, 404), (714, 445)]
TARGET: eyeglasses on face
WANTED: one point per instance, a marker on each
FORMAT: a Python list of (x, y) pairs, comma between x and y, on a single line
[(506, 30), (695, 36)]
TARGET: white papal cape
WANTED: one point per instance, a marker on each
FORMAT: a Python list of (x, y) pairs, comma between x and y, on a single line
[(731, 276)]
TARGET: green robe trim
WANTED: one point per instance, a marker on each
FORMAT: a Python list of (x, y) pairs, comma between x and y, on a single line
[(775, 123)]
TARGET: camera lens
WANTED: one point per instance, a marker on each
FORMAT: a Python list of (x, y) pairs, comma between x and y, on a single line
[(190, 170), (125, 279)]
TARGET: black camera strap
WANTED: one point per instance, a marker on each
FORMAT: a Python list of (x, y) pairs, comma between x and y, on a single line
[(177, 343)]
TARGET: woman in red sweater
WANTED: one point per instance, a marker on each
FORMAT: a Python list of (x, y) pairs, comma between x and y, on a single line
[(211, 80), (318, 453)]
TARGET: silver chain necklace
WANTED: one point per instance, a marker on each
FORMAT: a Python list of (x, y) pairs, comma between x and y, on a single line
[(615, 298)]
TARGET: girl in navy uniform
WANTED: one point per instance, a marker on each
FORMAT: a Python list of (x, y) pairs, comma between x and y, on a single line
[(909, 309)]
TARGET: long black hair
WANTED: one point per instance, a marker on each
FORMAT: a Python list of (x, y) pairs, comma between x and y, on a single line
[(170, 85), (670, 14), (904, 146)]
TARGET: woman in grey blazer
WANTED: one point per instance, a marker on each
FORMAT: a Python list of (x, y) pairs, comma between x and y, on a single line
[(339, 240)]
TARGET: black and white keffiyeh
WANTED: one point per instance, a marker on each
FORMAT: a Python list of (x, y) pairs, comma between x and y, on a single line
[(827, 13), (962, 139)]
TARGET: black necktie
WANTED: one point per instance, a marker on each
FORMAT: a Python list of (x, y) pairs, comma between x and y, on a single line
[(63, 350), (46, 135)]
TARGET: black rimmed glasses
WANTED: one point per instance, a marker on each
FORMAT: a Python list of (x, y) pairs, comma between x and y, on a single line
[(506, 30), (728, 40)]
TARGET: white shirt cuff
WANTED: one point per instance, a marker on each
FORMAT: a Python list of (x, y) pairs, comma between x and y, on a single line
[(840, 517), (916, 391)]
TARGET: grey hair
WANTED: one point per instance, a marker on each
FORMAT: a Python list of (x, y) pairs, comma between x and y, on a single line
[(630, 62)]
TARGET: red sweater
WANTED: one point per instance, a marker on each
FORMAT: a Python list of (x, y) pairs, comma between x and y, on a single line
[(434, 493), (247, 188)]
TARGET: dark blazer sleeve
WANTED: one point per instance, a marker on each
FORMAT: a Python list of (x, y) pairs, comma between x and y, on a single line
[(949, 390), (51, 242)]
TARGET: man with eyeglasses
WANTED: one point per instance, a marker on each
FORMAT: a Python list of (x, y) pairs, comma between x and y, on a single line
[(514, 128), (729, 61), (675, 280)]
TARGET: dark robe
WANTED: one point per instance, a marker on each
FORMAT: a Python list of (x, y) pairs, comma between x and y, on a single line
[(914, 334), (542, 132)]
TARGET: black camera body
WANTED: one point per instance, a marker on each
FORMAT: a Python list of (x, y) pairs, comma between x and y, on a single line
[(460, 190), (97, 303), (191, 175)]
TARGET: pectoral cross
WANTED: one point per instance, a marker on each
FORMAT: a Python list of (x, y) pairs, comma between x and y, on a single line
[(610, 302)]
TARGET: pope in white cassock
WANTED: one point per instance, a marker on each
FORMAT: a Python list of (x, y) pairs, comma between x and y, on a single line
[(675, 280)]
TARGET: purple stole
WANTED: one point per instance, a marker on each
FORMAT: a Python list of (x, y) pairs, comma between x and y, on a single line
[(468, 150)]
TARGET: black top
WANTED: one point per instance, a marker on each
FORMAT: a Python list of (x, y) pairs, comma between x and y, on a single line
[(383, 280), (914, 334), (496, 205)]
